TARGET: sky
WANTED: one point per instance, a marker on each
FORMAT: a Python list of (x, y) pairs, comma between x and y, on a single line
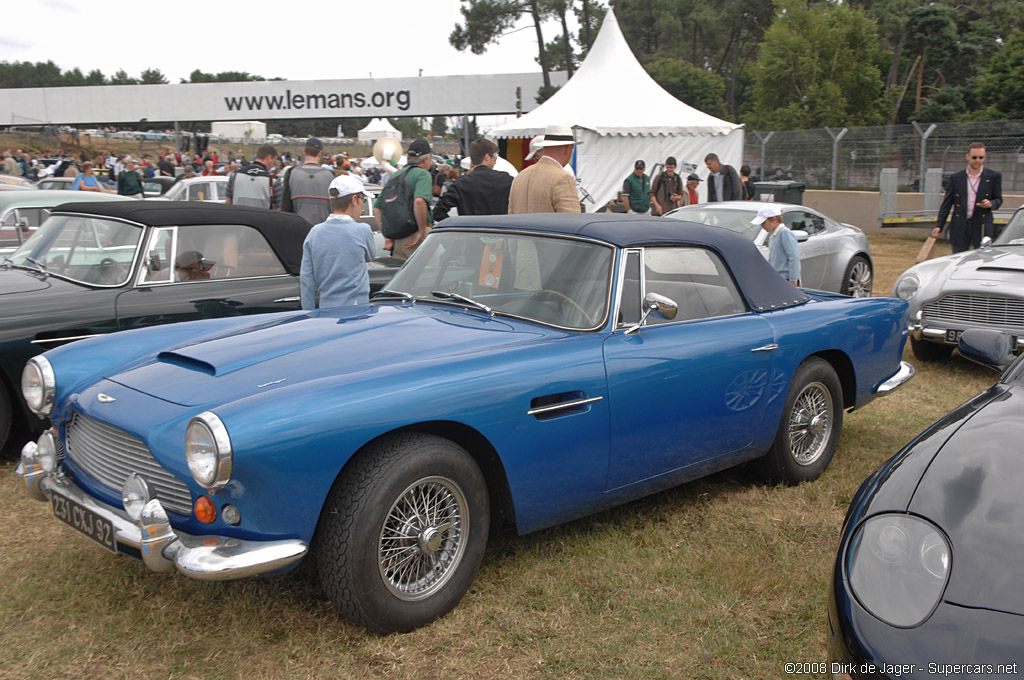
[(298, 40)]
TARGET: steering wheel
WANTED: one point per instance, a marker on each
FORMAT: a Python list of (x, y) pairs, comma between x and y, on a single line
[(110, 270), (540, 293)]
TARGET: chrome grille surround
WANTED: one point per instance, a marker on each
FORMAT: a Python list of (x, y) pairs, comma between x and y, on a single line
[(110, 455), (972, 310)]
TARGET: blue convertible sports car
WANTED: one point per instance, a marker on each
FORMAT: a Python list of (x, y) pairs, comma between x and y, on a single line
[(521, 369)]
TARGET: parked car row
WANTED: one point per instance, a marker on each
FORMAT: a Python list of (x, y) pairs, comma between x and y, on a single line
[(527, 369)]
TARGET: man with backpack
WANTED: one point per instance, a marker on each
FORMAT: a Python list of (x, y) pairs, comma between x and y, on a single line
[(402, 208), (723, 181), (667, 189)]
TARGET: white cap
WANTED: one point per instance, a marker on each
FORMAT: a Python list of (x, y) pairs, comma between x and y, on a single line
[(534, 147), (346, 185), (766, 212)]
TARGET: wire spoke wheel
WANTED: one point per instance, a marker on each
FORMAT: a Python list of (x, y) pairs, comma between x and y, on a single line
[(810, 423), (422, 539)]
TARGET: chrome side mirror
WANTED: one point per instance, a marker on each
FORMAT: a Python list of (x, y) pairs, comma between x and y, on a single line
[(153, 262), (658, 305)]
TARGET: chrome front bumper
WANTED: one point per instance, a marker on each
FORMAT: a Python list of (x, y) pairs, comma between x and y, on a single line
[(206, 558), (906, 372), (922, 330)]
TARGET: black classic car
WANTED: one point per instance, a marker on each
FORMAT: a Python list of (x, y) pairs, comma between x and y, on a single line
[(94, 268), (927, 581)]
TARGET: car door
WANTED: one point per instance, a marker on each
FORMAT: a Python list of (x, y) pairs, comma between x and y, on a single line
[(685, 391), (816, 251), (200, 271)]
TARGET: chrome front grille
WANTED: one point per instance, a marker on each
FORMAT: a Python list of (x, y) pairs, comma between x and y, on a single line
[(111, 455), (971, 310)]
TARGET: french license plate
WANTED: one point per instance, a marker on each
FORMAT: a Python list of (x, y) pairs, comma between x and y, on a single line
[(85, 520), (953, 336)]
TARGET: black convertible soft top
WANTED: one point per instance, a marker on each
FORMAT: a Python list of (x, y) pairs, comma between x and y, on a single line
[(284, 231), (763, 288)]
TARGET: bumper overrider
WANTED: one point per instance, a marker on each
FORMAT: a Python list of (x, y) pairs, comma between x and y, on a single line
[(906, 372), (163, 549)]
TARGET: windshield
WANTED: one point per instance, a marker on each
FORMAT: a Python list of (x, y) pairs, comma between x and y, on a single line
[(557, 281), (1013, 234), (733, 220), (85, 249)]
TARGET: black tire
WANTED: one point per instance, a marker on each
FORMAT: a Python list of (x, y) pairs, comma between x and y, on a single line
[(809, 428), (858, 279), (930, 351), (6, 415), (367, 571)]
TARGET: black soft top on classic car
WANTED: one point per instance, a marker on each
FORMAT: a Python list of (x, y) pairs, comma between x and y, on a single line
[(763, 288), (284, 231)]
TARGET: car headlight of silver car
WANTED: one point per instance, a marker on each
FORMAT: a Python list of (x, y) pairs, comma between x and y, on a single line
[(897, 566), (208, 451), (38, 385), (907, 286)]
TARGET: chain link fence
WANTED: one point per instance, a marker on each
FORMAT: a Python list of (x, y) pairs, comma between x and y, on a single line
[(853, 158)]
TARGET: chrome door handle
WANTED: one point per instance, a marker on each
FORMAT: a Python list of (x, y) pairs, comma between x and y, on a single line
[(288, 299), (765, 348)]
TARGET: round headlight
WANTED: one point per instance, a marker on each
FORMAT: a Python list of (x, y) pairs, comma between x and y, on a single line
[(897, 566), (134, 495), (907, 286), (208, 451), (38, 385), (46, 451)]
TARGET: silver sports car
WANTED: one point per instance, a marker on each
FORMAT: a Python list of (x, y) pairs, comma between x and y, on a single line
[(981, 288), (833, 256)]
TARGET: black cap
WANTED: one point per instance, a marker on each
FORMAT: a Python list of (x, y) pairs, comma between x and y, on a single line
[(419, 147), (315, 143), (693, 177), (639, 164)]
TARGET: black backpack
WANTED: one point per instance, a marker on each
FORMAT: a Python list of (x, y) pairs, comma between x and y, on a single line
[(397, 218)]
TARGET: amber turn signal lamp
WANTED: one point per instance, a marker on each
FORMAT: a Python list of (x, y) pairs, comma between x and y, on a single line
[(204, 510)]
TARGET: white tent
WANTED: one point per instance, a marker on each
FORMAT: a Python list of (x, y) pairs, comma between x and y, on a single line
[(621, 115), (377, 128)]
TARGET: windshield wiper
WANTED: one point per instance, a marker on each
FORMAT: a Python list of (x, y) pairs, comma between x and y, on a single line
[(41, 267), (462, 298), (384, 292)]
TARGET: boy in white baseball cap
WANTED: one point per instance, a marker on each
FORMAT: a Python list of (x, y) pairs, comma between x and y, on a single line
[(335, 253)]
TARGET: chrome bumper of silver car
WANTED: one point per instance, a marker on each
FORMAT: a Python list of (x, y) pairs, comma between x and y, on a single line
[(906, 372), (918, 331), (206, 558)]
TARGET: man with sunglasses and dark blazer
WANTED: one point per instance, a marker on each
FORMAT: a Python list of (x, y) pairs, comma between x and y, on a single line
[(972, 194)]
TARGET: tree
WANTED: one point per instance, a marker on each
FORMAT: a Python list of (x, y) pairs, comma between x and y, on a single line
[(198, 76), (122, 78), (409, 127), (721, 37), (698, 87), (27, 74), (439, 126), (816, 68), (589, 14), (485, 21), (152, 76), (1001, 87)]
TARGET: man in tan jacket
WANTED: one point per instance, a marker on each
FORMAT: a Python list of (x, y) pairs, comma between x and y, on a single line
[(545, 186)]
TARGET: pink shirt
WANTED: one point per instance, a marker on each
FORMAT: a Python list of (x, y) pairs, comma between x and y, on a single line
[(972, 192)]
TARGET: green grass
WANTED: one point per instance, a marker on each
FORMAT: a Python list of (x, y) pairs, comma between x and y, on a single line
[(721, 578)]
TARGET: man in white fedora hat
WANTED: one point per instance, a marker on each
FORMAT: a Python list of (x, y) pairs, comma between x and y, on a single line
[(545, 186)]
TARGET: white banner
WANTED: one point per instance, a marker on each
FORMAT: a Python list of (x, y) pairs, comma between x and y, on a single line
[(363, 98)]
